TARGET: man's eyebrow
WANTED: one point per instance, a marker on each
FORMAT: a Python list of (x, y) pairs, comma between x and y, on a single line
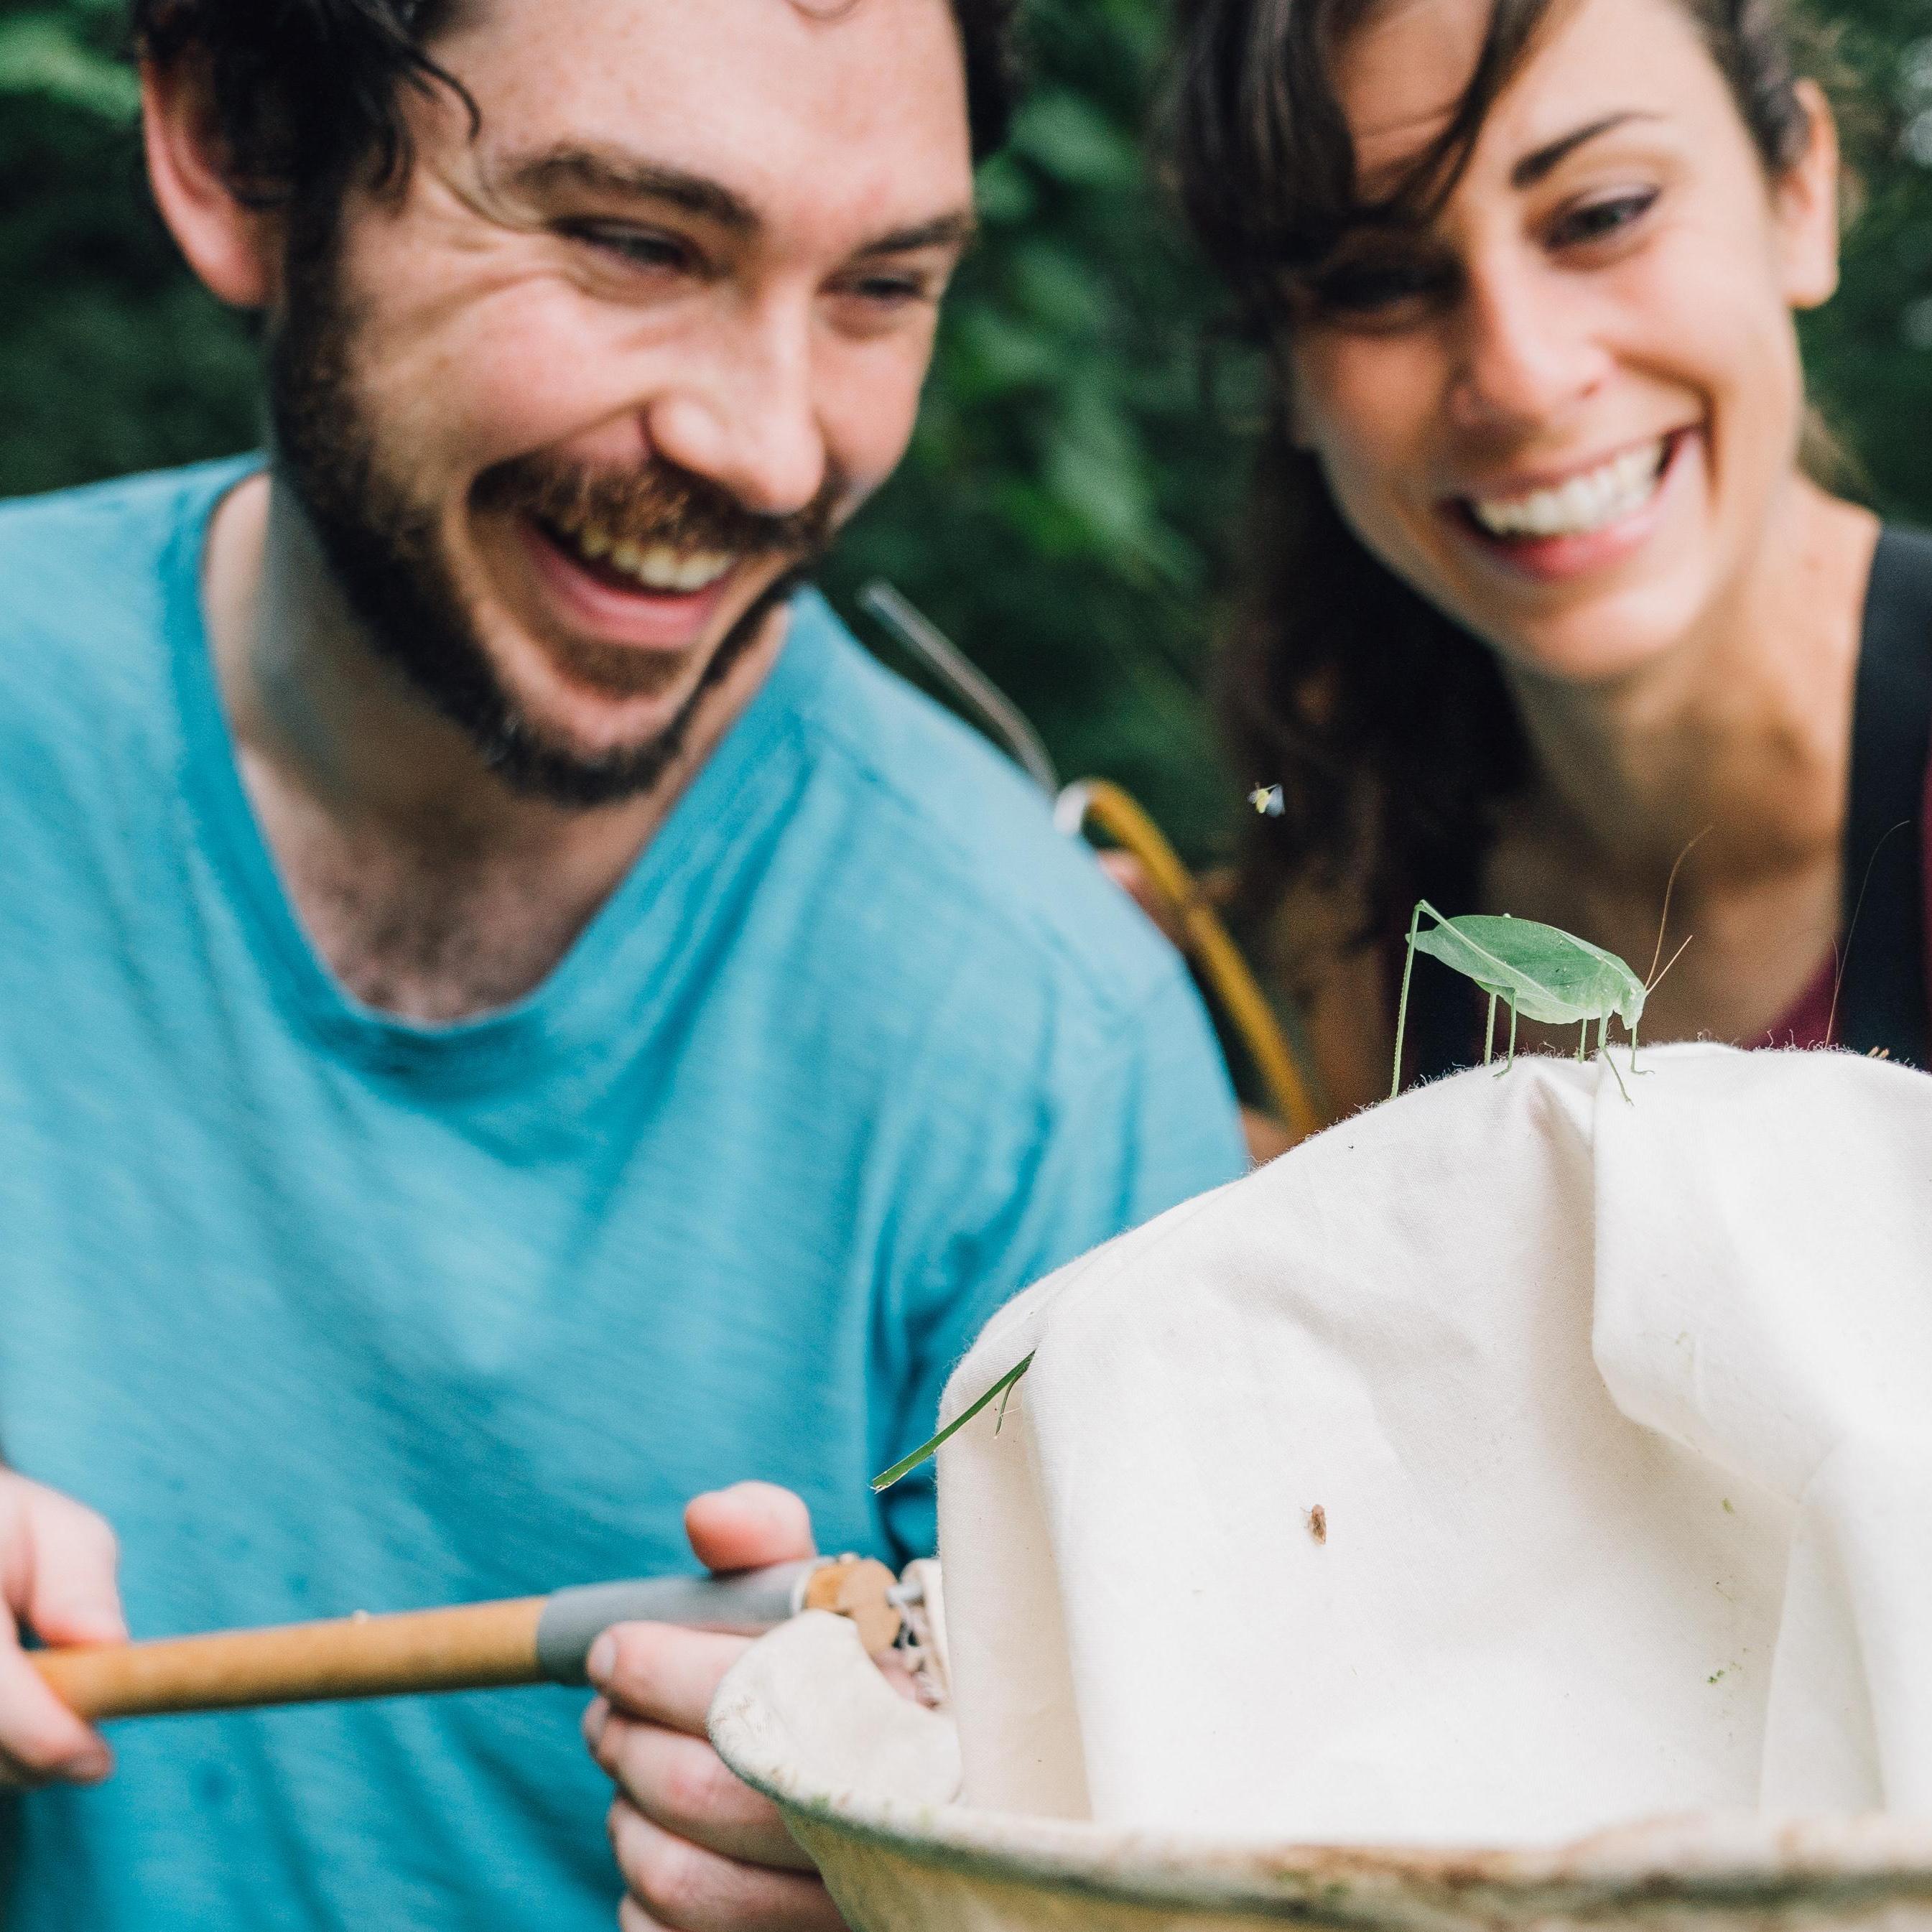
[(958, 230), (1533, 167), (632, 176), (625, 174)]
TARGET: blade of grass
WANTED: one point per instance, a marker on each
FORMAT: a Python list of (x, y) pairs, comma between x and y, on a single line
[(1004, 1387)]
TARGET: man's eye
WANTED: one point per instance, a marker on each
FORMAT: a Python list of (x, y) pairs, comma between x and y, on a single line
[(1596, 220), (639, 248), (891, 291)]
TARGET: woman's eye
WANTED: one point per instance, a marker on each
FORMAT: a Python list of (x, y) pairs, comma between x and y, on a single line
[(1596, 220), (1372, 290)]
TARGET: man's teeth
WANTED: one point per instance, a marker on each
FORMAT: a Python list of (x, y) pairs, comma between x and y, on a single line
[(656, 566), (1607, 495)]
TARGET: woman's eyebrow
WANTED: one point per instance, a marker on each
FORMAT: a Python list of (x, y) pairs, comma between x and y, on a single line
[(1532, 168)]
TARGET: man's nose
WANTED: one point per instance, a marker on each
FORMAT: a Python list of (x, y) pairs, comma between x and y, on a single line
[(746, 417), (1525, 349)]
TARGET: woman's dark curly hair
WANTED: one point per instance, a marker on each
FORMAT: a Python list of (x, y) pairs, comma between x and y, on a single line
[(308, 92), (1389, 728)]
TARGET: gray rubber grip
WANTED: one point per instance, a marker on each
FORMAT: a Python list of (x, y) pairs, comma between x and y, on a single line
[(751, 1603)]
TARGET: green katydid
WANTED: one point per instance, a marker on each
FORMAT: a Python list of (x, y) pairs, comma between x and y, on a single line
[(1551, 975), (1539, 970)]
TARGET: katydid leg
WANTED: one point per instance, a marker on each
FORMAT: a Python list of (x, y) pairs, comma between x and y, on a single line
[(1510, 1061), (1603, 1051), (1401, 1011)]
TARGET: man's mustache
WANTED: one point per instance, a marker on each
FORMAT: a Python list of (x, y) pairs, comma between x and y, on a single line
[(661, 505)]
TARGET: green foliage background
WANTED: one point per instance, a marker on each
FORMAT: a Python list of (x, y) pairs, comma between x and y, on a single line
[(1067, 509)]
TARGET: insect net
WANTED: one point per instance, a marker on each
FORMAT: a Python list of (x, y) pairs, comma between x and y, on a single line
[(1509, 1462)]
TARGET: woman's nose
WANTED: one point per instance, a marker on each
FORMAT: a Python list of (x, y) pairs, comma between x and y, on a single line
[(1524, 351), (748, 419)]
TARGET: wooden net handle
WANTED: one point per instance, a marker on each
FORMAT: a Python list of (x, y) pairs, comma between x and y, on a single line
[(476, 1647)]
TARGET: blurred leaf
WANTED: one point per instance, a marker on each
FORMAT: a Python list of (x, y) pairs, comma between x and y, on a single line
[(1074, 141), (994, 354), (1006, 197), (39, 54)]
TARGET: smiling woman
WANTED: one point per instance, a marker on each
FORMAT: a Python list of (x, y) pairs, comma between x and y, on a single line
[(1548, 575)]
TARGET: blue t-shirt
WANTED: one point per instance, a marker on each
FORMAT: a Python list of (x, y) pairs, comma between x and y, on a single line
[(326, 1312)]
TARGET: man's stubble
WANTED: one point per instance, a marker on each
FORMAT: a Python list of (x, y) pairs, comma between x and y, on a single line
[(384, 548)]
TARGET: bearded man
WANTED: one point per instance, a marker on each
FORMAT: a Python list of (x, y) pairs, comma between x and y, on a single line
[(508, 1022)]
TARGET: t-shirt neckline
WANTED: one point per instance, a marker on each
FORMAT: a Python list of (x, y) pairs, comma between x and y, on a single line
[(606, 976)]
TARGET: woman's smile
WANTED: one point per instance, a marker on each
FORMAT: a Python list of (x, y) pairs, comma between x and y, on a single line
[(1566, 526)]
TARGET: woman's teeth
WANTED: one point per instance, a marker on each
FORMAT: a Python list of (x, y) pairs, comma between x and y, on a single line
[(655, 566), (1617, 489)]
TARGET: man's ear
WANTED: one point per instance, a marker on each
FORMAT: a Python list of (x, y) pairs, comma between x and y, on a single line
[(234, 248), (1806, 201)]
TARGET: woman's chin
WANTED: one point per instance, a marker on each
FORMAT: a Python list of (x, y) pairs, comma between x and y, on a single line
[(1601, 633), (1607, 644)]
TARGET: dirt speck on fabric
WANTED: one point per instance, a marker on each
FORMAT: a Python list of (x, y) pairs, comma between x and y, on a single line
[(1317, 1523)]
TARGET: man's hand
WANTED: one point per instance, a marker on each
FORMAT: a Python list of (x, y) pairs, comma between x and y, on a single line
[(700, 1852), (57, 1566)]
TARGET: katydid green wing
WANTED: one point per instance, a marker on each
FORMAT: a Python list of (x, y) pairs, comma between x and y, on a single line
[(1547, 974)]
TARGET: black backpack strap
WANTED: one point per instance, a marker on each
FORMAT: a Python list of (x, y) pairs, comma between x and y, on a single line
[(1882, 999)]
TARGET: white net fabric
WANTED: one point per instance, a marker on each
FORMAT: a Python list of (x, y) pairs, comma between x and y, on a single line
[(1618, 1417)]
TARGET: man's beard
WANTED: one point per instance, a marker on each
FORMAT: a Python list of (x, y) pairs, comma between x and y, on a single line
[(383, 544)]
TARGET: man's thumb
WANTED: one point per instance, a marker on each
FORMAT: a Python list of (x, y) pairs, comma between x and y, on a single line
[(747, 1526), (63, 1585)]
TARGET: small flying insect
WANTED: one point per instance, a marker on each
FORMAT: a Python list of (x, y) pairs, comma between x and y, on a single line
[(1267, 800)]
